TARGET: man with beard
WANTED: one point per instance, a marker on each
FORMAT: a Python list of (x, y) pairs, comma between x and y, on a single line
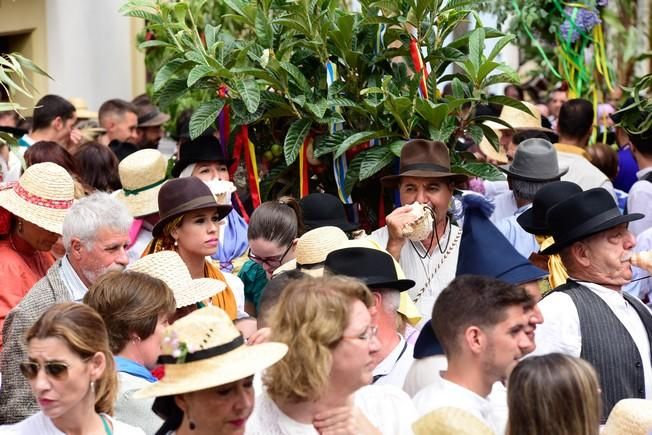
[(96, 236), (150, 125), (590, 316)]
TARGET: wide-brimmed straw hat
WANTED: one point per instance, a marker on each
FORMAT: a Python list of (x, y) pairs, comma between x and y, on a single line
[(81, 109), (519, 120), (312, 249), (204, 350), (631, 417), (535, 160), (41, 196), (170, 268), (581, 215), (450, 421), (142, 175), (423, 158), (498, 156), (182, 195)]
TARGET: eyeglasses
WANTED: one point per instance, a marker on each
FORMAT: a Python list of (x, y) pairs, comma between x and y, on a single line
[(272, 262), (56, 370), (367, 335)]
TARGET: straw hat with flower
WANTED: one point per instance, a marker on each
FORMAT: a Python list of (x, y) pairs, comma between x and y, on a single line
[(631, 417), (170, 268), (205, 350), (312, 249), (142, 175), (450, 421), (41, 196)]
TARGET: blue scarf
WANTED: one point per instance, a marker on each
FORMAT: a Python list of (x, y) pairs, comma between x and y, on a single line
[(133, 368), (234, 243)]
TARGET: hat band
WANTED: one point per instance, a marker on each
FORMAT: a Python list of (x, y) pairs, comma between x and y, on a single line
[(204, 353), (59, 204), (128, 192), (424, 166), (594, 221), (310, 265), (148, 117)]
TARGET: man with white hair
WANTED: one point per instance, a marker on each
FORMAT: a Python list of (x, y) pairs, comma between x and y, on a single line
[(96, 236)]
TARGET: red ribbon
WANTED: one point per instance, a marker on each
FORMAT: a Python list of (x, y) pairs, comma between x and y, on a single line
[(304, 183), (243, 139), (419, 67)]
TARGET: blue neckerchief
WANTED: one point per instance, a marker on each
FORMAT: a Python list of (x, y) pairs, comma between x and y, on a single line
[(234, 243), (133, 368)]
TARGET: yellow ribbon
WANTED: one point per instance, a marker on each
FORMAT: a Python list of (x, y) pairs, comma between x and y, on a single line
[(557, 272)]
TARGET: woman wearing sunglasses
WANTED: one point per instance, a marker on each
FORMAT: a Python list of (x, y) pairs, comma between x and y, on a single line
[(72, 375), (189, 225), (274, 229), (322, 384)]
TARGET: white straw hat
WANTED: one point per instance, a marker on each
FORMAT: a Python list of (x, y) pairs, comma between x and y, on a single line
[(631, 417), (169, 267), (41, 196), (142, 175), (450, 421), (204, 350), (312, 249)]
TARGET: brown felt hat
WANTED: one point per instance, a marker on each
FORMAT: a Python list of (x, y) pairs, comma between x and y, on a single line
[(424, 158)]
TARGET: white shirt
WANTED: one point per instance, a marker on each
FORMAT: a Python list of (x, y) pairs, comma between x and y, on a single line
[(442, 393), (430, 274), (639, 200), (42, 425), (386, 407), (522, 241), (393, 369), (494, 188), (10, 170), (583, 173), (560, 331), (71, 280), (237, 287), (505, 204), (641, 285)]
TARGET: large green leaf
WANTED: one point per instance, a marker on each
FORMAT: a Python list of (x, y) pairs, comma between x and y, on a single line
[(353, 173), (359, 138), (198, 72), (298, 78), (249, 93), (154, 43), (375, 159), (508, 101), (500, 44), (294, 139), (434, 114), (166, 73), (482, 170), (205, 116), (264, 30), (476, 47), (171, 92)]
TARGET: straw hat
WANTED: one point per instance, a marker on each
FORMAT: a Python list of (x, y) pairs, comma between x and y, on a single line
[(204, 350), (518, 119), (170, 268), (42, 196), (142, 175), (498, 156), (450, 421), (631, 417), (81, 108), (312, 249)]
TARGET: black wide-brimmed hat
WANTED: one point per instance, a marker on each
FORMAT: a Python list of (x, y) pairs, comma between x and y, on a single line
[(372, 266), (325, 210), (533, 220), (583, 215), (424, 158), (182, 195), (205, 148)]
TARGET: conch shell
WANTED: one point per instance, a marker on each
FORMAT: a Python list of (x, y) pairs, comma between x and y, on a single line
[(642, 260), (421, 227)]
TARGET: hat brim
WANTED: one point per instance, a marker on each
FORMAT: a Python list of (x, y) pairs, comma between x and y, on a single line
[(222, 211), (159, 119), (506, 170), (198, 290), (499, 127), (561, 244), (489, 151), (180, 165), (523, 273), (381, 282), (213, 372), (49, 219), (526, 221), (341, 224), (393, 180), (142, 203)]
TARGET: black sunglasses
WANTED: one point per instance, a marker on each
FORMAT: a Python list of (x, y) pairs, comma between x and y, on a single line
[(273, 262), (56, 370)]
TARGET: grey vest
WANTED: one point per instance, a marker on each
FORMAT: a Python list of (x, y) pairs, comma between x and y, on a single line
[(608, 346)]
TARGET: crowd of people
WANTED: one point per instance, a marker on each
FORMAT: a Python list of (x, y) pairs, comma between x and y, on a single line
[(140, 294)]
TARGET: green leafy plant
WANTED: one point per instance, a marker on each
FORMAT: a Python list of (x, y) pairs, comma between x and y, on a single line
[(271, 57)]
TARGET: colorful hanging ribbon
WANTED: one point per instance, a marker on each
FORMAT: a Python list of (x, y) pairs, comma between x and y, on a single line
[(224, 122), (242, 142), (304, 176), (419, 68), (340, 164)]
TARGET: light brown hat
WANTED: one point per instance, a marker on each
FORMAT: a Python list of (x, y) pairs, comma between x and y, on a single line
[(450, 421), (631, 417), (41, 196), (170, 268), (204, 350), (518, 119), (81, 109), (142, 175), (312, 249)]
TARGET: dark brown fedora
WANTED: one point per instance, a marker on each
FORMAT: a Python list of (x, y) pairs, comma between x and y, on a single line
[(424, 158), (181, 195)]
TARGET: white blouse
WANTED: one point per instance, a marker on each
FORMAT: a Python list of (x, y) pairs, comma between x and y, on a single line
[(40, 424)]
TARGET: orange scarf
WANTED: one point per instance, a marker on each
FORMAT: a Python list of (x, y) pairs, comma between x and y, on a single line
[(224, 299)]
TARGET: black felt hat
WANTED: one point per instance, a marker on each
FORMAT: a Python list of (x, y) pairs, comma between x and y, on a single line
[(325, 210), (205, 148), (533, 220)]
